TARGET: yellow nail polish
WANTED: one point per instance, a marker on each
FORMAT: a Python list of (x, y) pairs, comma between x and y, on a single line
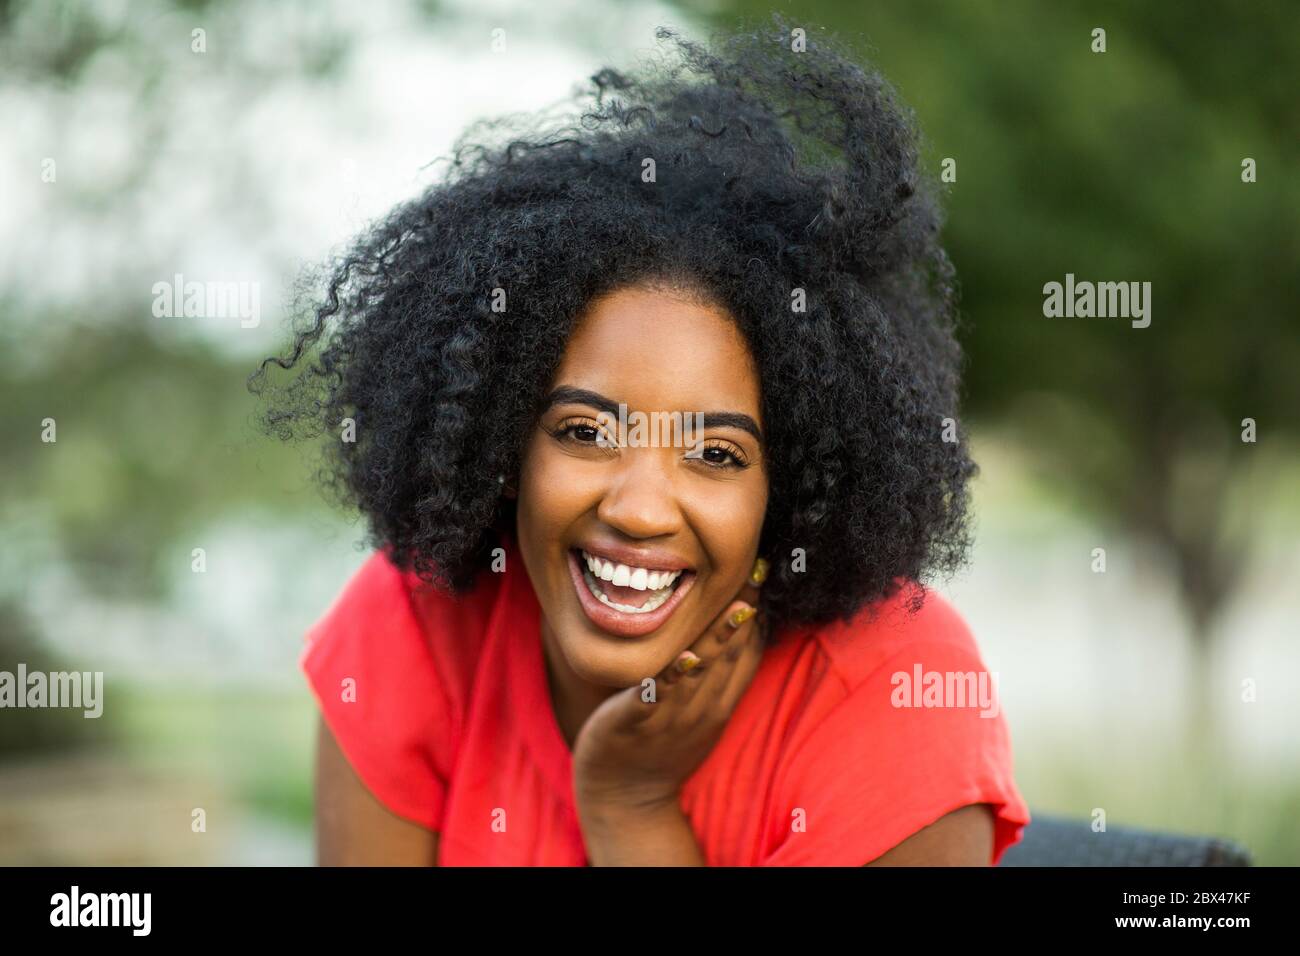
[(741, 616), (759, 574), (687, 664)]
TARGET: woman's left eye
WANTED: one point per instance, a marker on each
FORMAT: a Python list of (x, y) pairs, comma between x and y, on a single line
[(726, 458)]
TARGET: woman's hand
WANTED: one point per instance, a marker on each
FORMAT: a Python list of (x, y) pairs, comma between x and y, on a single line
[(633, 755)]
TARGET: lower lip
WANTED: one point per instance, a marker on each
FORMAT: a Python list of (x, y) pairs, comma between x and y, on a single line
[(620, 622)]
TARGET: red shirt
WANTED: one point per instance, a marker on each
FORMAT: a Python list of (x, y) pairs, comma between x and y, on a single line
[(442, 706)]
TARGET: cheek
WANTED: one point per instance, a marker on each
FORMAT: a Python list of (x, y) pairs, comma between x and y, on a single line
[(733, 514), (739, 512), (730, 526), (554, 494), (549, 495)]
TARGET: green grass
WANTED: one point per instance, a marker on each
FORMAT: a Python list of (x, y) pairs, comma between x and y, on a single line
[(1179, 792), (258, 743)]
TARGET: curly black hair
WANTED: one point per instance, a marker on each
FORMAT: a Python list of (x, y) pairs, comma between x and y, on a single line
[(782, 170)]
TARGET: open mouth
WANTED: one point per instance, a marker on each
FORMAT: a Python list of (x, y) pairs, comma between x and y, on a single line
[(626, 600)]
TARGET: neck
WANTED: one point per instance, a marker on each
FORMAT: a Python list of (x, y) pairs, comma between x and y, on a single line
[(572, 698)]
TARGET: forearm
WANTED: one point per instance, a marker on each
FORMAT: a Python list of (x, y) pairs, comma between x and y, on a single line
[(645, 836)]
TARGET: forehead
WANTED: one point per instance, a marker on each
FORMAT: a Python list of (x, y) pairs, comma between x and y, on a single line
[(660, 352)]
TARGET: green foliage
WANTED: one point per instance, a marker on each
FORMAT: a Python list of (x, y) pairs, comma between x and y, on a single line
[(1116, 166), (45, 730), (153, 439), (1123, 165)]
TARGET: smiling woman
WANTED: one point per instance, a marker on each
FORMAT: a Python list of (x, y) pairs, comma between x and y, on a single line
[(644, 507), (686, 655)]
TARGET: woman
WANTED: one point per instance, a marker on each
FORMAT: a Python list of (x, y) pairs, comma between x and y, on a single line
[(585, 640)]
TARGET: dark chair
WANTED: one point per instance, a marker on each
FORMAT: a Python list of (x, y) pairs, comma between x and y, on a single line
[(1057, 841)]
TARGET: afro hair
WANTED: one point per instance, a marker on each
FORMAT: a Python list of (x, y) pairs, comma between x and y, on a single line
[(786, 187)]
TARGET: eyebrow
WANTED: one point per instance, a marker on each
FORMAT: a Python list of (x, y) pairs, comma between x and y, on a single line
[(567, 395)]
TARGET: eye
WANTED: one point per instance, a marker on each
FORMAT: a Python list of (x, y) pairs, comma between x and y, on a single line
[(723, 455), (717, 454), (582, 432)]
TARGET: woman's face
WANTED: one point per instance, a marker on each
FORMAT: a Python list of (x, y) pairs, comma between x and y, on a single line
[(657, 499)]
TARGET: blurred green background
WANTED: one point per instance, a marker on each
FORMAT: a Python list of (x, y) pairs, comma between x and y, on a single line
[(1163, 690)]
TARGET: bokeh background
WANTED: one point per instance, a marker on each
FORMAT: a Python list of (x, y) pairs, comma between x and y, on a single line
[(1162, 690)]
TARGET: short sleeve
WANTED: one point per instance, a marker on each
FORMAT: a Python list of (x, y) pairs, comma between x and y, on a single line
[(372, 672), (922, 735)]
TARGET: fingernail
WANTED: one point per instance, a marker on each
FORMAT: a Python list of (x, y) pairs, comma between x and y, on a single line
[(741, 616), (687, 662), (759, 574)]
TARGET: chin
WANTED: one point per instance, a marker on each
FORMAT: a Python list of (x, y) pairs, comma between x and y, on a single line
[(612, 665)]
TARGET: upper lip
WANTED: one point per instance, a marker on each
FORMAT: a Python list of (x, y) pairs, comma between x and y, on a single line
[(652, 559)]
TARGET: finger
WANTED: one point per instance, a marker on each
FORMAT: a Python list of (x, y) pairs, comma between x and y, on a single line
[(714, 640), (685, 677), (719, 632), (683, 664), (691, 665), (692, 662), (696, 693), (743, 670), (673, 690), (707, 695), (630, 705), (751, 590)]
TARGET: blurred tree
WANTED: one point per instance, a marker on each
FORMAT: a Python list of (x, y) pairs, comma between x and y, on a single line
[(27, 731), (1121, 166), (152, 418), (1125, 165)]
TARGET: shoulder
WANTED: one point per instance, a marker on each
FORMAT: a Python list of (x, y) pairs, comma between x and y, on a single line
[(392, 664), (384, 611), (910, 668), (914, 622), (908, 729)]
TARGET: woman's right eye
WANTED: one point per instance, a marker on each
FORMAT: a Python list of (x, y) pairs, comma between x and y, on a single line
[(582, 433)]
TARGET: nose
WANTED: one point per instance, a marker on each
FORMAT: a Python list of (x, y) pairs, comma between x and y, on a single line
[(641, 499)]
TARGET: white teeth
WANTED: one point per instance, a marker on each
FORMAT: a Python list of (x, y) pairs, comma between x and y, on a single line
[(654, 601), (621, 575)]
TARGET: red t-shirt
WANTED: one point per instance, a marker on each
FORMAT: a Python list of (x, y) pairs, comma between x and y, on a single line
[(442, 706)]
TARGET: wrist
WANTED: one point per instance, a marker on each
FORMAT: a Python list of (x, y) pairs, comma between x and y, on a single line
[(625, 800), (651, 832), (615, 790)]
